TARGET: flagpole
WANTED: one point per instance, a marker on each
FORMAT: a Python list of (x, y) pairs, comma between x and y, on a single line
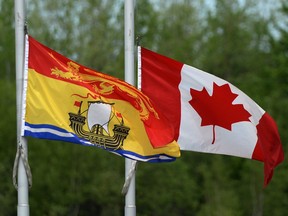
[(130, 206), (22, 183)]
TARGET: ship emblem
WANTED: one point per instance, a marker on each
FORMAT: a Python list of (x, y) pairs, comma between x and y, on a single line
[(98, 116)]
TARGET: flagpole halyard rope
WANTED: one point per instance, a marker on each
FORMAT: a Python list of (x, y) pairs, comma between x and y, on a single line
[(21, 154), (138, 40), (129, 177), (15, 168)]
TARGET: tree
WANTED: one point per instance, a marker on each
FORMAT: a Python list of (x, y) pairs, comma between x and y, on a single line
[(179, 31), (7, 37), (232, 38), (86, 32), (7, 147)]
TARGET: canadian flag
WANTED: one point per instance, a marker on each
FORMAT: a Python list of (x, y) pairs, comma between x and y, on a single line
[(209, 114)]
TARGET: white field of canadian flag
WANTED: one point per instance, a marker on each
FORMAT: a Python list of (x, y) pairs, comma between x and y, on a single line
[(209, 114)]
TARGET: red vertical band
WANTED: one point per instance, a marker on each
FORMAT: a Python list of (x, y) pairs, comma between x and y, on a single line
[(163, 76)]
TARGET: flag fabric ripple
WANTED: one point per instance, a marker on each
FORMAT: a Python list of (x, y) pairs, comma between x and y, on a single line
[(209, 114), (66, 101)]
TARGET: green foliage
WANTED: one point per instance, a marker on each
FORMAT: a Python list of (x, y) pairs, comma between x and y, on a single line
[(146, 19), (231, 39), (71, 179), (86, 32), (162, 187), (7, 147), (7, 38)]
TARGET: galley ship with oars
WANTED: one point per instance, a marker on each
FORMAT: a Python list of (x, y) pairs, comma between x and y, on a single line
[(98, 116)]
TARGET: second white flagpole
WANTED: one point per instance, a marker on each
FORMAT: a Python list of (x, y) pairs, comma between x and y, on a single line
[(130, 206)]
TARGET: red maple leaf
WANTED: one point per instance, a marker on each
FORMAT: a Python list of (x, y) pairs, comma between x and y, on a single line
[(218, 109)]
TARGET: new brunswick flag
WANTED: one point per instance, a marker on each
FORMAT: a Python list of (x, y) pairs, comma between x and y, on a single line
[(66, 101)]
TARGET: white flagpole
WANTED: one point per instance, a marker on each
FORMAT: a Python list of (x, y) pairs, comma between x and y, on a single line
[(23, 189), (130, 207)]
